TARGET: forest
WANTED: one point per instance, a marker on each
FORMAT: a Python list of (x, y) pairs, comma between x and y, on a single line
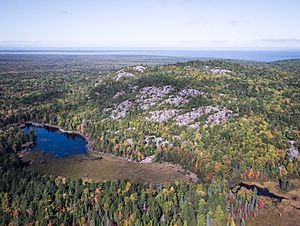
[(226, 121)]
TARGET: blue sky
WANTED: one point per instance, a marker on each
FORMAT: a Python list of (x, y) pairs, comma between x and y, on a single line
[(187, 24)]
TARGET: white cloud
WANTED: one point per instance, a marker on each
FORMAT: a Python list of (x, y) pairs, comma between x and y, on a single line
[(23, 41), (282, 40)]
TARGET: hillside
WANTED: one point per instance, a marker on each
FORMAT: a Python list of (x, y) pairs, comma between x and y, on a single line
[(189, 112)]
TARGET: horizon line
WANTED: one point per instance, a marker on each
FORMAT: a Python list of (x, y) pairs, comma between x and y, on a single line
[(100, 49)]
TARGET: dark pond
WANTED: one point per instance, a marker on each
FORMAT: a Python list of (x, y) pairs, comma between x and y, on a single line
[(59, 145), (260, 191)]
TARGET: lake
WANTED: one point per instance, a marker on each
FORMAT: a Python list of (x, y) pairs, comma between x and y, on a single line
[(251, 55), (57, 144)]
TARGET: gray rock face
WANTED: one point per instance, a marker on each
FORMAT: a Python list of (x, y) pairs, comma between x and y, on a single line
[(161, 116), (139, 68), (220, 71), (219, 116), (188, 118), (151, 95), (293, 150), (121, 110), (122, 74), (182, 97), (159, 141)]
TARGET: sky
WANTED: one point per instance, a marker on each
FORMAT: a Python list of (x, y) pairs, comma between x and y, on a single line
[(159, 24)]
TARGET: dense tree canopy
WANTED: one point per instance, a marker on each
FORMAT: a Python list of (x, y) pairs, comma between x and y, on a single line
[(225, 121)]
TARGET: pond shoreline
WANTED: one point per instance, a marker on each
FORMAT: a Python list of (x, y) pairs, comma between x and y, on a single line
[(89, 142), (57, 128), (93, 154), (90, 145)]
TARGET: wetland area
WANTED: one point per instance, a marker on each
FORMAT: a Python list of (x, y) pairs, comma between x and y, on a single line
[(64, 153)]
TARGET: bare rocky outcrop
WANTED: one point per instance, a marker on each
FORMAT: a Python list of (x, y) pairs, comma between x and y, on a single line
[(122, 74), (218, 117), (293, 151), (220, 71), (188, 118), (139, 68), (162, 115), (159, 141), (151, 95), (125, 74), (121, 110), (182, 97)]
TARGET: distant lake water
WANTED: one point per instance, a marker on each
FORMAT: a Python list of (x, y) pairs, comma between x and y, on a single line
[(58, 144), (255, 55)]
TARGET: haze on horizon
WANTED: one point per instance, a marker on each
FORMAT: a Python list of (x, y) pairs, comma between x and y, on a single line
[(181, 24)]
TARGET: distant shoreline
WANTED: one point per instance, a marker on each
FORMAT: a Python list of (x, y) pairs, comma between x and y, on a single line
[(248, 55)]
